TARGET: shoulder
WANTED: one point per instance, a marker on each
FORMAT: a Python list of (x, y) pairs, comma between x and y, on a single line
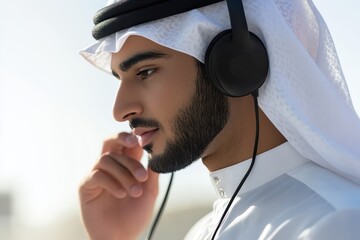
[(342, 194), (338, 191), (342, 224)]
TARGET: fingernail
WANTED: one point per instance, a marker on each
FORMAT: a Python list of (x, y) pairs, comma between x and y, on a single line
[(136, 190), (131, 139), (141, 175)]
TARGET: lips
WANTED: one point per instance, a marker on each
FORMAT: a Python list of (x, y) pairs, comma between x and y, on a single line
[(144, 135)]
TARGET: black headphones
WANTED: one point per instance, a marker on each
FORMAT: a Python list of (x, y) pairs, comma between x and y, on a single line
[(236, 60)]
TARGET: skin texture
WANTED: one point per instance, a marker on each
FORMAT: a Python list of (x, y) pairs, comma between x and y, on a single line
[(118, 196)]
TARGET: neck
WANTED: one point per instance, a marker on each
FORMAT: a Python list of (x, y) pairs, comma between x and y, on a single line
[(235, 142)]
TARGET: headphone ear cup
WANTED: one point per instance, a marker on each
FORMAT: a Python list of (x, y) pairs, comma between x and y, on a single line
[(236, 70), (209, 60)]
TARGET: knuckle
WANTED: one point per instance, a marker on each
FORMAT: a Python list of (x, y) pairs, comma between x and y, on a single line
[(122, 135), (105, 159), (97, 175)]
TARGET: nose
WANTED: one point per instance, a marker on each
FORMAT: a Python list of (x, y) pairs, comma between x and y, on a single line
[(127, 104)]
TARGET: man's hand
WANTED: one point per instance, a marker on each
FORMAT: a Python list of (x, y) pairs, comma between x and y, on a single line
[(118, 196)]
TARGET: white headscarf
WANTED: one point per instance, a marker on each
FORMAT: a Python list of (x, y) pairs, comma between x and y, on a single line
[(305, 95)]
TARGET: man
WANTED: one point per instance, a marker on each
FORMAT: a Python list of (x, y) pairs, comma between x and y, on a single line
[(305, 181)]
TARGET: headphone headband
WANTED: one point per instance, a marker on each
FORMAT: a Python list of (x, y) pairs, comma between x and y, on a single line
[(125, 14), (239, 28)]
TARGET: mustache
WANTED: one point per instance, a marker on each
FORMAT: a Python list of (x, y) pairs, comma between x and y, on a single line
[(143, 122)]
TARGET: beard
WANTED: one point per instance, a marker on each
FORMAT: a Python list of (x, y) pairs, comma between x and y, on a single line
[(195, 126)]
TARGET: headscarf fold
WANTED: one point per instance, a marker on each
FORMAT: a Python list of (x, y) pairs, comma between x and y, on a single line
[(305, 94)]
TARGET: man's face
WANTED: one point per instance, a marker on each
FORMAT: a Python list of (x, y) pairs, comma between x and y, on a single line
[(172, 109)]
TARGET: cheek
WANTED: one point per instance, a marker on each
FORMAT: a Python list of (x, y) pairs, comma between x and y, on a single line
[(179, 86), (167, 98)]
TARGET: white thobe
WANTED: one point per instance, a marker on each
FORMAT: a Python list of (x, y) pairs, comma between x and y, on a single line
[(285, 197)]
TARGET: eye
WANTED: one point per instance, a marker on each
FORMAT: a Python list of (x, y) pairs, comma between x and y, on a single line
[(144, 74)]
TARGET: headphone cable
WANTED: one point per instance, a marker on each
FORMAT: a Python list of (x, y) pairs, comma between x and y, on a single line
[(256, 106), (161, 209)]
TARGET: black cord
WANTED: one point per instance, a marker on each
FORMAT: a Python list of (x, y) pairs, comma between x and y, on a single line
[(159, 213), (255, 95)]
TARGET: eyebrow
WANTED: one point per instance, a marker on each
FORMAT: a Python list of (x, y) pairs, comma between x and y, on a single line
[(139, 57)]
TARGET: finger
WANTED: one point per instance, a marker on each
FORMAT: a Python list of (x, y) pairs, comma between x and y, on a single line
[(127, 172), (124, 143), (135, 168), (119, 142), (99, 181)]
